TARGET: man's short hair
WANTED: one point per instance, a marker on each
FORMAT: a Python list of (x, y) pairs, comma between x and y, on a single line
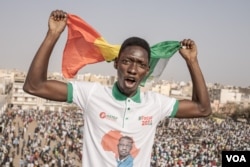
[(128, 138), (135, 41)]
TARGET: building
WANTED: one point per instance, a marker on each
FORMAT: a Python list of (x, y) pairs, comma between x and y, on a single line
[(25, 101), (11, 89)]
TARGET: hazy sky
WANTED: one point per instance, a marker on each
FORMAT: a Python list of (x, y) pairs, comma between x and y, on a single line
[(221, 30)]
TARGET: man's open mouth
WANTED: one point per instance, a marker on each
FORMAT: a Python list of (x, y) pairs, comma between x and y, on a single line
[(130, 82)]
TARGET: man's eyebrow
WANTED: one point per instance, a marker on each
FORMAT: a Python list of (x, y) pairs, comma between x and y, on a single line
[(140, 60)]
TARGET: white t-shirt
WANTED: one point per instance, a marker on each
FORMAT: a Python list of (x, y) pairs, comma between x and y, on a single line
[(109, 115)]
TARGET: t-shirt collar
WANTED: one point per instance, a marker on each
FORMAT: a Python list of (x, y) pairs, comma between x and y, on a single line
[(118, 95)]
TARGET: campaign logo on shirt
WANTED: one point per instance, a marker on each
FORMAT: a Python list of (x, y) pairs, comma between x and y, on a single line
[(104, 115), (146, 120)]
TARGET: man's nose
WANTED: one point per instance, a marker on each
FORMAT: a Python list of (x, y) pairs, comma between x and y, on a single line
[(132, 68)]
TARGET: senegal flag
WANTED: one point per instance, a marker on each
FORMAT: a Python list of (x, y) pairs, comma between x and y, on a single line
[(86, 46)]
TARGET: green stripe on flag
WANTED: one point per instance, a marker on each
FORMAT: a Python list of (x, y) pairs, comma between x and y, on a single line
[(162, 51)]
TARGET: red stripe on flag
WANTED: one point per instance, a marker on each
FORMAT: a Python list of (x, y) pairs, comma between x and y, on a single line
[(79, 49)]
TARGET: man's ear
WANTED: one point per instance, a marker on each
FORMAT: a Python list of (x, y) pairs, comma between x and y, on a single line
[(115, 63)]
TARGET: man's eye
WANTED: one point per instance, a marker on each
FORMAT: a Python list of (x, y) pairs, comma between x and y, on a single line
[(125, 61), (143, 65)]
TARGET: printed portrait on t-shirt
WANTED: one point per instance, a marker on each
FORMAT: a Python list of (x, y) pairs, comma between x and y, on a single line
[(122, 146)]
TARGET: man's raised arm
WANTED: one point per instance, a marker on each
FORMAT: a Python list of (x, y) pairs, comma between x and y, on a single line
[(36, 82), (200, 105)]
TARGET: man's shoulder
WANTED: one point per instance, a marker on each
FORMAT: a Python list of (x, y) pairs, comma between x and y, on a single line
[(152, 94), (87, 84)]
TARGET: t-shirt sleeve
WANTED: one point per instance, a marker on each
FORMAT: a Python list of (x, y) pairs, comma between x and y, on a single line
[(175, 109), (169, 106), (79, 92), (69, 93)]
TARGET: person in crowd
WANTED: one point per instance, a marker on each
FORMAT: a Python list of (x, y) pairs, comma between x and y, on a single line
[(123, 108)]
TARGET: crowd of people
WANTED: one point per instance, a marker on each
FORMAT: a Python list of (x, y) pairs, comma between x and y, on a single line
[(56, 140), (41, 139), (198, 142)]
